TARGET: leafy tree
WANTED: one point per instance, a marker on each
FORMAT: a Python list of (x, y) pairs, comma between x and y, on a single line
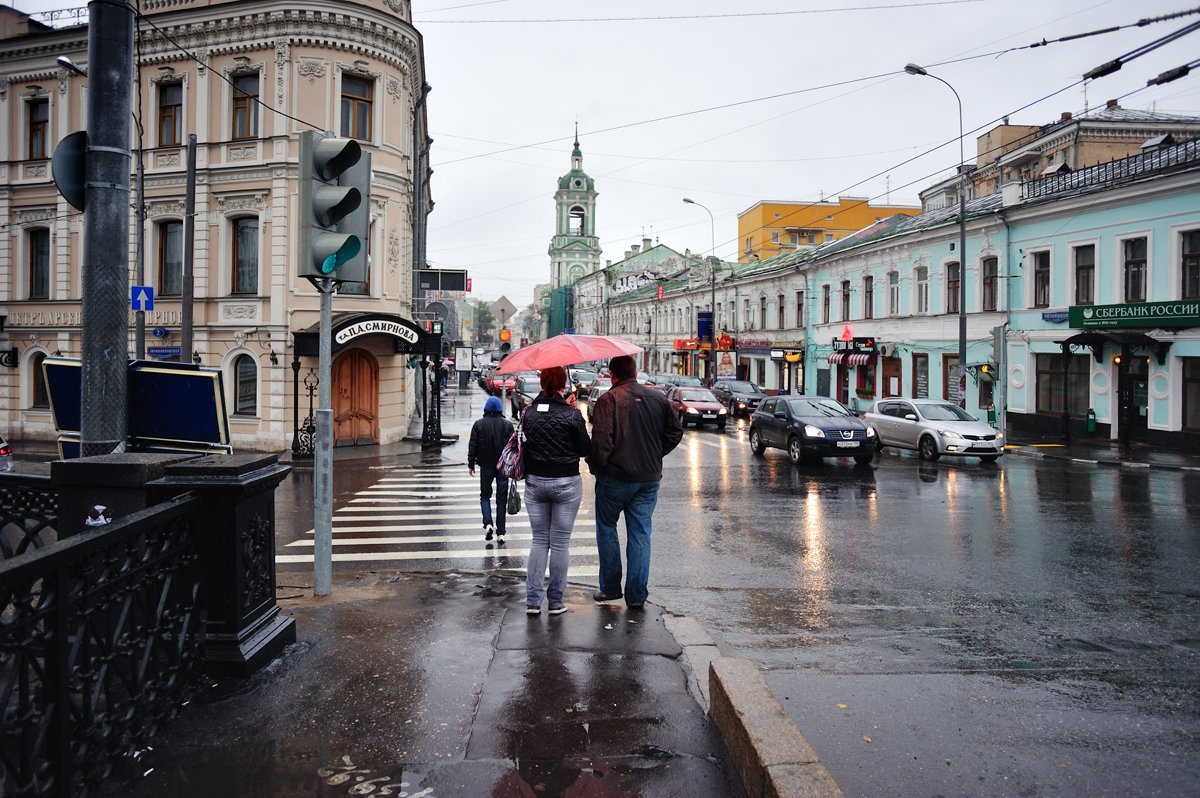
[(485, 321)]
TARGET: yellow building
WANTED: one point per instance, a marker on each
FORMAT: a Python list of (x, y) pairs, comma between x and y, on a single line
[(769, 228)]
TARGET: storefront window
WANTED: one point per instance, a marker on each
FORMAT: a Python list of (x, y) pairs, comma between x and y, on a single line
[(1191, 393), (1050, 391)]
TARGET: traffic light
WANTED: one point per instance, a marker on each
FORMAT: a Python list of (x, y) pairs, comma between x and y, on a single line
[(334, 212), (505, 347)]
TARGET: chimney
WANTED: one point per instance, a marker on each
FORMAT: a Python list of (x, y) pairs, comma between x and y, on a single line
[(645, 244), (1066, 116), (1112, 105), (635, 248)]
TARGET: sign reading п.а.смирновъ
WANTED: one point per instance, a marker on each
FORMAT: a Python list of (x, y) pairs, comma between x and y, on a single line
[(1137, 314)]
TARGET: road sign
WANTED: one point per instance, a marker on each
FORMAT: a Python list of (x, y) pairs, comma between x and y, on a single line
[(142, 297), (162, 351)]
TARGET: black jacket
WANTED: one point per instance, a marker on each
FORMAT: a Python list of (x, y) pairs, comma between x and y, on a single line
[(633, 428), (555, 437), (488, 436)]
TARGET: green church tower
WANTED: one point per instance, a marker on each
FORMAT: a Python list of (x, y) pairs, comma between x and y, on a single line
[(575, 249)]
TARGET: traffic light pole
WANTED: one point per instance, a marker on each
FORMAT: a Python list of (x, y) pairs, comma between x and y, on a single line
[(323, 452)]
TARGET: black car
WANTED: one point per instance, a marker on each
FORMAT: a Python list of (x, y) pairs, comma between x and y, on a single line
[(525, 391), (740, 396), (810, 428)]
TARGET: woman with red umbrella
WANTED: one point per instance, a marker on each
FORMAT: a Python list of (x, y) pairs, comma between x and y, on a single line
[(555, 440)]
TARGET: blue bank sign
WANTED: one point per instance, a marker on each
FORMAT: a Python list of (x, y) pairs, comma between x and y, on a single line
[(1138, 314)]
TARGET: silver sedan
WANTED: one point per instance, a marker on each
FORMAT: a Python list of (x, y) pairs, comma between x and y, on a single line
[(933, 427)]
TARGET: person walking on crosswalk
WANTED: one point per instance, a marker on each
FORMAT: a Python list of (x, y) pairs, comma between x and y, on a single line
[(488, 436), (555, 438)]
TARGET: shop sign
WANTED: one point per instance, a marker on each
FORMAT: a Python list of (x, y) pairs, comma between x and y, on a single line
[(376, 327), (686, 343), (1185, 313)]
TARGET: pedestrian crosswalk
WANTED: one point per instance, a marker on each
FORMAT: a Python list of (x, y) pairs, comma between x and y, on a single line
[(429, 517)]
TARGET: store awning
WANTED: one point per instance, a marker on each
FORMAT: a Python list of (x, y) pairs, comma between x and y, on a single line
[(852, 358)]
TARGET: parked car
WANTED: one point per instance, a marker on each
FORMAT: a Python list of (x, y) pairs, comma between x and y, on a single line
[(810, 428), (6, 455), (741, 397), (697, 406), (933, 427)]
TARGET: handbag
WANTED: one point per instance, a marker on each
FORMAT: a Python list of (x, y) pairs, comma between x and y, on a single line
[(514, 499), (512, 462)]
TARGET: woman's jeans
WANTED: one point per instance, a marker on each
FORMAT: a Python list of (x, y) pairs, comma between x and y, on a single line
[(552, 504), (486, 475)]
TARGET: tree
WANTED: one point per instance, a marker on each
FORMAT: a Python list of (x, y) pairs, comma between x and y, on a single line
[(484, 323), (532, 323)]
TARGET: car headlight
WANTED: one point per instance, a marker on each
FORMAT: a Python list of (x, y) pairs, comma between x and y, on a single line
[(742, 405), (721, 412), (870, 432), (949, 433), (813, 432), (693, 411)]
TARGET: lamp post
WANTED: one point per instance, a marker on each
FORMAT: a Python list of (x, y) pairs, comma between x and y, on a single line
[(913, 69), (712, 326)]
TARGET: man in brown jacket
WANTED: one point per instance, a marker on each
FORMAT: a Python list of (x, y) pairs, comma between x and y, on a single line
[(633, 428)]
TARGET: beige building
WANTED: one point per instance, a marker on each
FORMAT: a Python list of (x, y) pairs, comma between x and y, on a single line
[(246, 78)]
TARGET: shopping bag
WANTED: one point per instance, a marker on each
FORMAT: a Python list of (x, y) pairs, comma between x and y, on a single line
[(514, 499), (512, 463)]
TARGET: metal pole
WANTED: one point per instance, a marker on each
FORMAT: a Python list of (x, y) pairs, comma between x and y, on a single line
[(105, 289), (139, 335), (913, 69), (323, 462), (712, 229)]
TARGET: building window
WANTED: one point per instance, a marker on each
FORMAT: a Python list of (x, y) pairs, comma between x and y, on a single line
[(749, 243), (825, 304), (950, 377), (1135, 269), (170, 258), (1191, 265), (1191, 392), (868, 297), (991, 267), (39, 121), (1041, 279), (793, 238), (953, 283), (357, 98), (920, 364), (762, 312), (829, 236), (893, 293), (1050, 392), (812, 238), (1085, 274), (245, 106), (39, 264), (170, 114), (747, 319), (245, 256), (845, 300), (245, 381), (800, 309), (781, 312), (41, 396), (921, 275), (774, 238)]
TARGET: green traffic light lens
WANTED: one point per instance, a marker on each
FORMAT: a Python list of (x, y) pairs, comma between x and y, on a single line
[(344, 253)]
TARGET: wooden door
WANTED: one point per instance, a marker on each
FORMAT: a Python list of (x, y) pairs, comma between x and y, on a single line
[(893, 381), (355, 399)]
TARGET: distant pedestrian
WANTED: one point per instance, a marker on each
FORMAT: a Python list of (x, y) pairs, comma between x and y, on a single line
[(488, 436), (633, 428), (555, 438)]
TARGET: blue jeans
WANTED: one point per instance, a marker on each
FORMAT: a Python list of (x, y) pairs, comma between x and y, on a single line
[(636, 500), (552, 504), (486, 475)]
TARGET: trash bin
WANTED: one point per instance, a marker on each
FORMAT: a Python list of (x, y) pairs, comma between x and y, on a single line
[(992, 415), (1091, 420)]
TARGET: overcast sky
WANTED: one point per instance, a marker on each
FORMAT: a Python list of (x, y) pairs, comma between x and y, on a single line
[(730, 103)]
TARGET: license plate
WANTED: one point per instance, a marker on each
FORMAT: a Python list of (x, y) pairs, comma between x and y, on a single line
[(710, 415), (847, 444)]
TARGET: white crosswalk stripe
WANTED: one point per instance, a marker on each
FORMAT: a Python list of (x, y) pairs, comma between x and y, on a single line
[(428, 514)]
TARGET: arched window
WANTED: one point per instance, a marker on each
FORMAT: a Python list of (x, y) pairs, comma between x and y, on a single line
[(245, 386), (41, 396)]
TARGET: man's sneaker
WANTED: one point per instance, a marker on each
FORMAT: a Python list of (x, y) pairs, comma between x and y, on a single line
[(600, 595), (534, 610), (500, 538), (557, 610), (489, 530)]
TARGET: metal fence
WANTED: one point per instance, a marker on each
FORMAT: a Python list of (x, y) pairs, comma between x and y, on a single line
[(28, 507), (100, 634), (1155, 162)]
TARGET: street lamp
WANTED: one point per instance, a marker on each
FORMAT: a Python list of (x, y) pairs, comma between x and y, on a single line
[(913, 69), (712, 326)]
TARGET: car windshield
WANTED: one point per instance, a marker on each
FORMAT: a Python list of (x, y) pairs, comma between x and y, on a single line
[(946, 412), (816, 407), (742, 386), (684, 380), (697, 395), (585, 376)]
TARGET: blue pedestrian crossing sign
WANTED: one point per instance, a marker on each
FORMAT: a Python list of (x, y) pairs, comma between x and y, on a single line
[(142, 297)]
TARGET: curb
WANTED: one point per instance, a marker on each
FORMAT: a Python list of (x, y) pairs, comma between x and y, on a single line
[(768, 751)]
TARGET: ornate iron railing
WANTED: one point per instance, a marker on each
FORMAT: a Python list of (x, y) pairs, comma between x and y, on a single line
[(99, 636), (28, 507)]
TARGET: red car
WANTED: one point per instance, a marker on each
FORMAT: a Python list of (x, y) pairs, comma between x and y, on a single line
[(697, 406), (498, 382)]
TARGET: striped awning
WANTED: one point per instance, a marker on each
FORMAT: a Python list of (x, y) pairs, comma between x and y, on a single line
[(852, 358)]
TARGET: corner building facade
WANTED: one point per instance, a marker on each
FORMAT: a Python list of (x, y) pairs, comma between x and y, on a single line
[(245, 78)]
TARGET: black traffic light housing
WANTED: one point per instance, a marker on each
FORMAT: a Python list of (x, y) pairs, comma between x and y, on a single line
[(334, 208)]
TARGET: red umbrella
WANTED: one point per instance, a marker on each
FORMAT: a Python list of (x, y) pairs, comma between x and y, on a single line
[(566, 350)]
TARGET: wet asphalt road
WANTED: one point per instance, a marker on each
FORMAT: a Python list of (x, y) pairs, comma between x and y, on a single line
[(1025, 628)]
